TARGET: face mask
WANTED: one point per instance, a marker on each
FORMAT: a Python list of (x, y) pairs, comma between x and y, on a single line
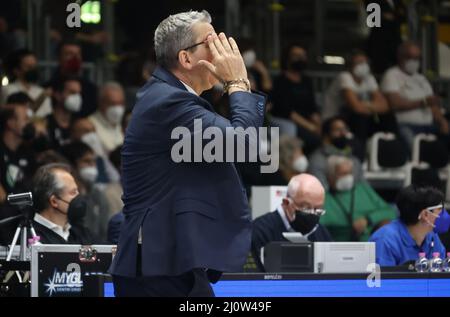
[(77, 210), (304, 223), (298, 66), (28, 132), (442, 223), (114, 114), (72, 66), (361, 70), (30, 113), (300, 164), (412, 66), (345, 183), (32, 75), (340, 142), (89, 174), (94, 142), (249, 58), (41, 143), (73, 103)]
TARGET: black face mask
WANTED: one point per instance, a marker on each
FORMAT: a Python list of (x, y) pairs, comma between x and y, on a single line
[(31, 76), (41, 143), (340, 142), (28, 132), (77, 210), (304, 223), (298, 66)]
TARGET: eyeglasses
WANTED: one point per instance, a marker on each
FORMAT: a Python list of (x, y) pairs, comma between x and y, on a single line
[(309, 211), (192, 46), (432, 208), (313, 211)]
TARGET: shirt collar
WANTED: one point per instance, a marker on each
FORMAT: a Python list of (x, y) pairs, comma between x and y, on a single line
[(51, 225), (189, 88), (408, 239), (284, 218)]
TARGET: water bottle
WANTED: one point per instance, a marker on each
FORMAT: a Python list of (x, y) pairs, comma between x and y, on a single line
[(436, 263), (446, 264), (421, 263)]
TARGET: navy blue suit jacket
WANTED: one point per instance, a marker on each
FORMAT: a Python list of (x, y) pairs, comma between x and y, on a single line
[(193, 215)]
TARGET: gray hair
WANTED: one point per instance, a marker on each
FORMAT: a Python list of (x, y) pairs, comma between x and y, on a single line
[(46, 184), (334, 161), (174, 34), (110, 85), (288, 145)]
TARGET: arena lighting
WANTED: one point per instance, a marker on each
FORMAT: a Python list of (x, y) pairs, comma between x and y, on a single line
[(329, 59), (5, 81), (90, 12)]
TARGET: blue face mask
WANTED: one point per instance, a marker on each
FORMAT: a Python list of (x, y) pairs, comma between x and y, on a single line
[(442, 223)]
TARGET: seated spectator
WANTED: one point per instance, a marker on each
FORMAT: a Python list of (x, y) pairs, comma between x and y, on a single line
[(23, 99), (16, 157), (411, 96), (354, 209), (421, 213), (335, 141), (82, 159), (107, 119), (292, 162), (24, 76), (16, 160), (70, 63), (84, 130), (299, 212), (67, 101), (257, 71), (59, 206), (293, 98), (354, 94)]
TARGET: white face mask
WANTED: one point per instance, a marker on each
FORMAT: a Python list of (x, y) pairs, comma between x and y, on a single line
[(361, 70), (412, 66), (249, 58), (345, 183), (89, 174), (94, 142), (300, 164), (115, 113), (30, 113), (73, 102)]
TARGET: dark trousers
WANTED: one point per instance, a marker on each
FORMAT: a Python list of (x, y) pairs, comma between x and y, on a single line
[(194, 283)]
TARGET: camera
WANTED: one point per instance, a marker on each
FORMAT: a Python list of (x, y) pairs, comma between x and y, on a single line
[(20, 200)]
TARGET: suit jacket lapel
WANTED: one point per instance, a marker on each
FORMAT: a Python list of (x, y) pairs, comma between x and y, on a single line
[(166, 76)]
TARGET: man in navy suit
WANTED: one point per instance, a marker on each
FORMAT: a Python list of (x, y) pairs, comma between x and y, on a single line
[(185, 223)]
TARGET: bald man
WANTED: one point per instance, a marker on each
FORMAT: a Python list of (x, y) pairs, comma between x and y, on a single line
[(299, 211)]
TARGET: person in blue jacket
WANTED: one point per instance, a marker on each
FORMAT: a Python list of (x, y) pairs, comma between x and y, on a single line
[(422, 218)]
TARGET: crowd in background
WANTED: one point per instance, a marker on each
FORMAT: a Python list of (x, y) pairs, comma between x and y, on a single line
[(72, 121)]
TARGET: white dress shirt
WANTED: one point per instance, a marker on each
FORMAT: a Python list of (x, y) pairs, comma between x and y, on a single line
[(62, 232), (189, 88)]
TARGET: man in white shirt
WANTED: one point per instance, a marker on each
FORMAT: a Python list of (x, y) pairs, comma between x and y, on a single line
[(23, 68), (54, 191), (107, 119), (411, 96)]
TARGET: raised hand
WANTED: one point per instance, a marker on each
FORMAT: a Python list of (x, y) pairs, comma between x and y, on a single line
[(227, 63)]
